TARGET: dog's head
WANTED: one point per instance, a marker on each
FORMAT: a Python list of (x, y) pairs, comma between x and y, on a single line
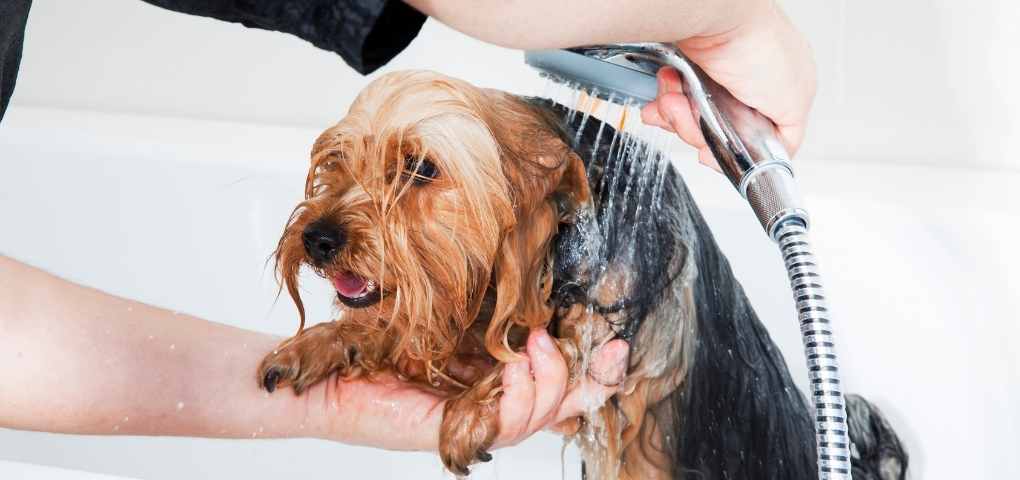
[(428, 197)]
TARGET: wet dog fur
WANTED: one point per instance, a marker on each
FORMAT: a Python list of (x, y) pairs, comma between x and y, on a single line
[(451, 219)]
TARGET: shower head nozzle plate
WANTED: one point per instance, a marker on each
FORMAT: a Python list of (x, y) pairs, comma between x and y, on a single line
[(607, 74)]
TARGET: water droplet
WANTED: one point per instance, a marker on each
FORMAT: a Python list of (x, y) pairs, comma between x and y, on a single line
[(173, 346), (116, 428), (125, 419), (151, 337), (180, 406)]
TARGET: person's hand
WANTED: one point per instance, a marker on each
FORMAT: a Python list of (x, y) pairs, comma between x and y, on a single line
[(387, 413), (761, 59), (535, 393)]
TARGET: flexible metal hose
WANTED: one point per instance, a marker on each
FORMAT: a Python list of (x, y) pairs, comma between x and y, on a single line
[(819, 347)]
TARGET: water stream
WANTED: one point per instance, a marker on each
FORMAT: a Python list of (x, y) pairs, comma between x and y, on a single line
[(626, 177)]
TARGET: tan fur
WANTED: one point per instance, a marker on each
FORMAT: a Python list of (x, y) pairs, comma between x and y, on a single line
[(477, 236)]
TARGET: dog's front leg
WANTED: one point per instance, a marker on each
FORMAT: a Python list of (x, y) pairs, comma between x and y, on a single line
[(307, 358), (471, 423)]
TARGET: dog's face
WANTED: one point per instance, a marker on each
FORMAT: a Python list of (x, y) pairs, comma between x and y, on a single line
[(429, 199)]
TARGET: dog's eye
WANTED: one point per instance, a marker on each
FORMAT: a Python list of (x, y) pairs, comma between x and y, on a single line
[(420, 171)]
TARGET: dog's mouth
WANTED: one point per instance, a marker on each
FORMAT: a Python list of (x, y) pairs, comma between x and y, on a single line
[(356, 291)]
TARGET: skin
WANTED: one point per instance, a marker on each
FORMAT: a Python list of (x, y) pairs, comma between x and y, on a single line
[(91, 363), (748, 46)]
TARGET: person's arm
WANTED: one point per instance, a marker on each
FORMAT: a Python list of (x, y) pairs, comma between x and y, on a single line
[(76, 360), (748, 46), (530, 24)]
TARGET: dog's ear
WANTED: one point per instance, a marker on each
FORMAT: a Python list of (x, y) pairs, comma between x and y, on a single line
[(547, 185), (289, 255)]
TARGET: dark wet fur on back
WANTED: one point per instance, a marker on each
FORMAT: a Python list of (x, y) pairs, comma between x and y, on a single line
[(738, 413)]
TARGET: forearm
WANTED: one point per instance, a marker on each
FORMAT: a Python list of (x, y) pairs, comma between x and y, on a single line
[(528, 24), (76, 360)]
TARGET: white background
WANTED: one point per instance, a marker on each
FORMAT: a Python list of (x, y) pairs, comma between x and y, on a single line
[(910, 170)]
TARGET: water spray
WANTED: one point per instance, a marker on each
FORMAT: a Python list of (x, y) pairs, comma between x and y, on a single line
[(747, 147)]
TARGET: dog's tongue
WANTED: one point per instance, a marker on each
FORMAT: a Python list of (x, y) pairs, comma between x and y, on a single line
[(349, 284)]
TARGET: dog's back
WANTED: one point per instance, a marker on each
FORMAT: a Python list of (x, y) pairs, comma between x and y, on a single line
[(717, 392)]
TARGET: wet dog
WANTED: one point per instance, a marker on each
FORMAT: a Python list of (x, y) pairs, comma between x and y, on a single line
[(451, 219)]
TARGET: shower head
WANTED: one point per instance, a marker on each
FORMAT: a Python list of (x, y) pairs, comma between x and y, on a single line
[(610, 76), (744, 142)]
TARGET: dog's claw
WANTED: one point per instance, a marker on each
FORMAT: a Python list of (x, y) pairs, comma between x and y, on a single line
[(269, 382), (483, 456)]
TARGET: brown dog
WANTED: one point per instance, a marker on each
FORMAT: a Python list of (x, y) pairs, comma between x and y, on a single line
[(452, 219), (431, 207)]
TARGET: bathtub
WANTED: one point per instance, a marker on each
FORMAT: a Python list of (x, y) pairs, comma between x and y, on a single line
[(921, 266)]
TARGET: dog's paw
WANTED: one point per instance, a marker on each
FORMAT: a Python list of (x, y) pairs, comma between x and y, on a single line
[(305, 359), (470, 425)]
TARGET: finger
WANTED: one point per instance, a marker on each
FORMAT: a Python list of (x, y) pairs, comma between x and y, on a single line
[(516, 404), (650, 112), (792, 136), (650, 116), (590, 394), (675, 109), (586, 396), (567, 427), (550, 371), (607, 368), (706, 158), (669, 80)]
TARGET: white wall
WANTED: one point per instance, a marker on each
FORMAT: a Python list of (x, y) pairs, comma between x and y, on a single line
[(912, 81)]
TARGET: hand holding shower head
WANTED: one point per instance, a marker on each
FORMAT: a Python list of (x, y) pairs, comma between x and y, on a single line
[(743, 141), (746, 144)]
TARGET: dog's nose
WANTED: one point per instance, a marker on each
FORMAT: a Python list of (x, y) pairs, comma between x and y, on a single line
[(322, 240)]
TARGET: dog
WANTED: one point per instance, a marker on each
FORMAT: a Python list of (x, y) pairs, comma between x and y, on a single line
[(452, 219)]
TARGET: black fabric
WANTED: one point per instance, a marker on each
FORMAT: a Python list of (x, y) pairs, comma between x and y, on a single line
[(365, 33), (13, 15)]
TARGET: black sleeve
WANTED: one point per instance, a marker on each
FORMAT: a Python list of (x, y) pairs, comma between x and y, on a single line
[(13, 15), (366, 33)]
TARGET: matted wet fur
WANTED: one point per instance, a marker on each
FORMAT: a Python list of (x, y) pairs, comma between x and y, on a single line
[(432, 207), (451, 219)]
